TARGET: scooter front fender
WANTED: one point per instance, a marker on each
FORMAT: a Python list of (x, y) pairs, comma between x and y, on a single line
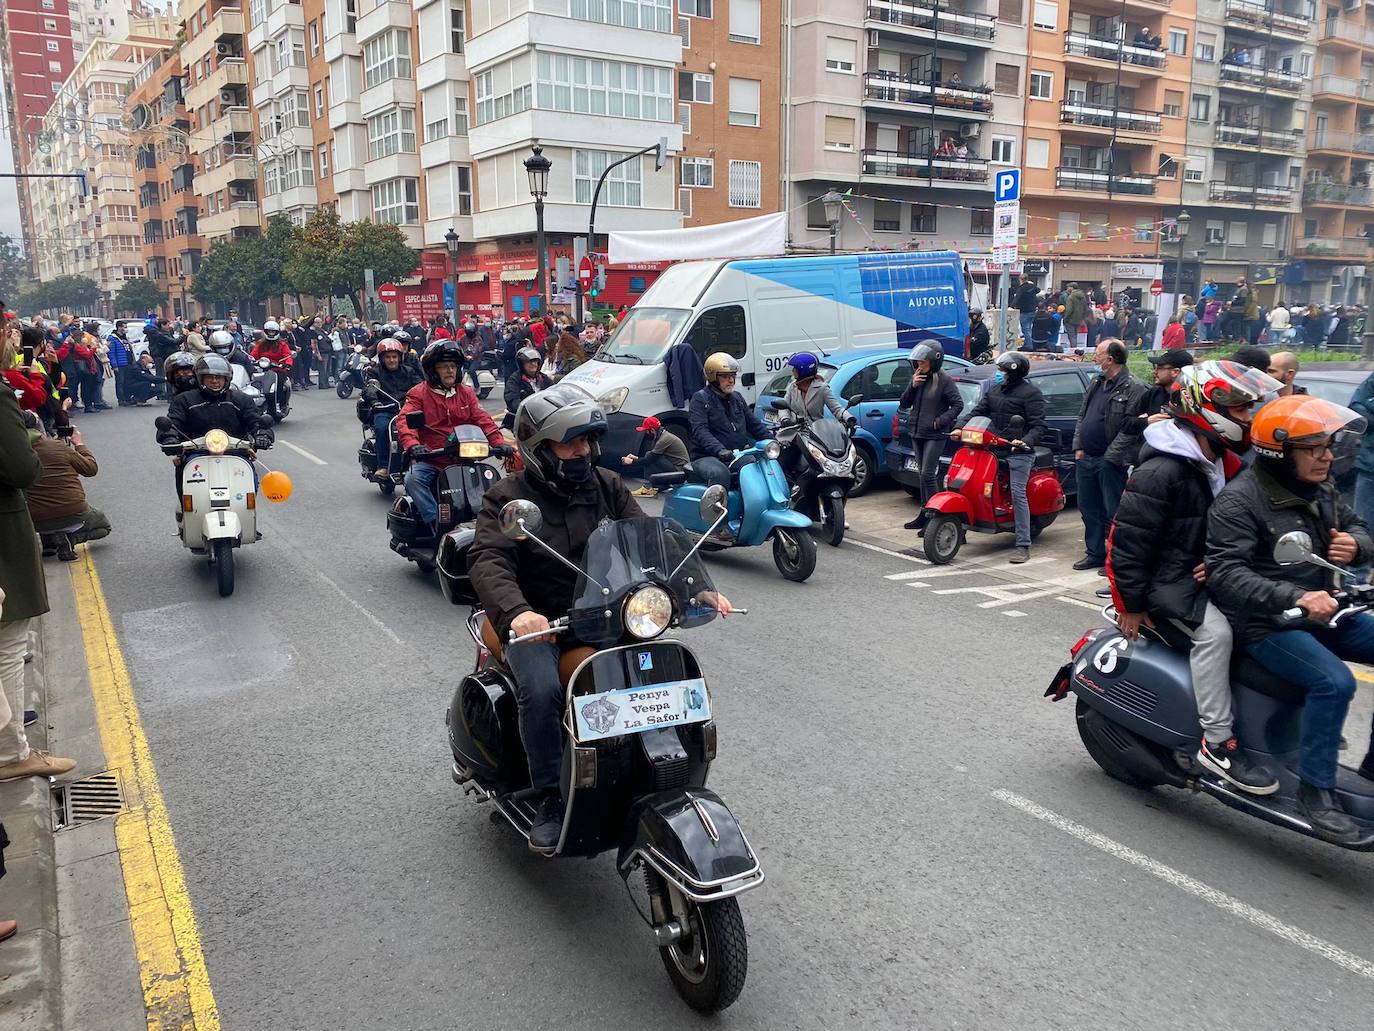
[(947, 502), (222, 523), (692, 840), (773, 518)]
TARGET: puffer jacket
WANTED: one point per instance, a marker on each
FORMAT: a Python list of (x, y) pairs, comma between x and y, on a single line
[(1124, 406), (1248, 516), (1002, 402), (720, 421), (934, 407)]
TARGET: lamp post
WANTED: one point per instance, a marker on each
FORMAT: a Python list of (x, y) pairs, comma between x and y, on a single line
[(537, 167), (834, 206), (451, 241), (1181, 224)]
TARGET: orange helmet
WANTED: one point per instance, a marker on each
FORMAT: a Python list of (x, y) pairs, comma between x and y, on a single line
[(1300, 419)]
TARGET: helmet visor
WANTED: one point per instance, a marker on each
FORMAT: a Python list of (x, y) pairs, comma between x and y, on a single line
[(1232, 385), (1314, 422), (925, 353)]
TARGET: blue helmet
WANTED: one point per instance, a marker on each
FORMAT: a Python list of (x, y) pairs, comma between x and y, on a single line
[(805, 365)]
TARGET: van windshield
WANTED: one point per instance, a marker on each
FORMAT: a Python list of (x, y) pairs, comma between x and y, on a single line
[(644, 335)]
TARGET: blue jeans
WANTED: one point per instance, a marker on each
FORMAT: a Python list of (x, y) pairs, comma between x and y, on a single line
[(420, 481), (1026, 319), (1100, 484), (1020, 466), (1312, 659), (381, 422), (1364, 497), (712, 470), (539, 697)]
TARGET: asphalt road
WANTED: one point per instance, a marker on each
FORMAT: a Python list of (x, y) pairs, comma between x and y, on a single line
[(884, 747)]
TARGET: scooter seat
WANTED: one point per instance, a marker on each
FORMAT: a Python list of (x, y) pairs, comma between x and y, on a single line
[(1044, 458), (1245, 670)]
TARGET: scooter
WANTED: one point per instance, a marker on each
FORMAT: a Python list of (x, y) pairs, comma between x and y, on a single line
[(818, 458), (1137, 714), (274, 387), (218, 498), (757, 506), (978, 491), (640, 739), (354, 372), (367, 451), (248, 384)]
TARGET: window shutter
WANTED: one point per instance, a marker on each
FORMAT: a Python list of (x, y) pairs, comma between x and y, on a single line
[(1008, 80)]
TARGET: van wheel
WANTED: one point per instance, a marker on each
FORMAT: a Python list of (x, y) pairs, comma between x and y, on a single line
[(865, 470)]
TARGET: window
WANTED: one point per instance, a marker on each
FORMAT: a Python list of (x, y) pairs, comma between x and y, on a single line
[(351, 15), (1009, 11), (391, 132), (396, 202), (462, 177), (436, 130), (882, 381), (55, 67), (1067, 228), (1194, 170), (1173, 103), (623, 189), (314, 39), (386, 57), (1201, 108), (319, 100), (53, 46), (589, 86), (839, 133), (1003, 150), (723, 329), (634, 14), (923, 218), (1269, 235), (1178, 42), (1215, 231), (684, 29), (1041, 85), (745, 21), (697, 171), (492, 106), (1168, 167), (1206, 49), (887, 216), (1007, 80), (257, 11), (49, 24), (323, 156), (746, 184), (684, 203), (1237, 233), (456, 31), (1305, 65), (815, 213), (1037, 153), (980, 222), (744, 102), (1099, 227), (1046, 15), (684, 117), (695, 87), (839, 54), (1144, 230), (695, 8), (1063, 393), (460, 116)]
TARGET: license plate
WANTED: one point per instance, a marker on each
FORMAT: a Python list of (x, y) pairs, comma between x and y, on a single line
[(911, 464), (634, 710)]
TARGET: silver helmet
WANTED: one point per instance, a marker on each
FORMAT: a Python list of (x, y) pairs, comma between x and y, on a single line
[(527, 354), (556, 415), (213, 365), (221, 341)]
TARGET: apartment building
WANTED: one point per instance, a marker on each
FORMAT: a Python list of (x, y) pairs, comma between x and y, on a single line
[(1332, 235), (105, 19), (284, 144), (164, 178)]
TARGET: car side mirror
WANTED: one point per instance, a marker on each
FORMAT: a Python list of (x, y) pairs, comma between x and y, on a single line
[(415, 420), (519, 518), (855, 400), (1293, 548), (712, 503)]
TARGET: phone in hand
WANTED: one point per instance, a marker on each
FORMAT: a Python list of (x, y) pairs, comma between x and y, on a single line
[(28, 355), (65, 431)]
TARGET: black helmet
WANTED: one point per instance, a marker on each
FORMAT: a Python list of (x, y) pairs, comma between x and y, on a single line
[(213, 365), (177, 360), (527, 354), (440, 351), (928, 352), (1015, 364), (556, 415), (400, 335)]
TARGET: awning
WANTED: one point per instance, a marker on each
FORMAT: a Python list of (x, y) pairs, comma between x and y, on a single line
[(472, 277), (519, 275)]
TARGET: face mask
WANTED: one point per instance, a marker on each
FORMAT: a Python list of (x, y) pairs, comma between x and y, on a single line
[(1000, 377), (575, 470), (471, 327)]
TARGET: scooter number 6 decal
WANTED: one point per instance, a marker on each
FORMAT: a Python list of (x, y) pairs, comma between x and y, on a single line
[(1113, 656)]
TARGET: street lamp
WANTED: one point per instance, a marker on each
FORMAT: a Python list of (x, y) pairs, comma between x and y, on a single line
[(452, 240), (1181, 226), (834, 206), (537, 166)]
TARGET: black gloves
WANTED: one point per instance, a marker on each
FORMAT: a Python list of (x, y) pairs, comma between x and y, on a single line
[(725, 455), (263, 439)]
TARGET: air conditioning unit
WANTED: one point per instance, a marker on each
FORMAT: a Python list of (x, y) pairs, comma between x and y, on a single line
[(227, 49), (240, 193), (970, 130), (1353, 5), (228, 98), (872, 37)]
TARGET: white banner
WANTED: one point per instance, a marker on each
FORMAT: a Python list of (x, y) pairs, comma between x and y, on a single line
[(637, 709), (746, 238)]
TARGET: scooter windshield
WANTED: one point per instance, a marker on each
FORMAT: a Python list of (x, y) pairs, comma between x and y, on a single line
[(626, 555)]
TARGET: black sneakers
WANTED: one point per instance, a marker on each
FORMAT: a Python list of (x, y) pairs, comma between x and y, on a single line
[(1324, 812), (1229, 763), (548, 824)]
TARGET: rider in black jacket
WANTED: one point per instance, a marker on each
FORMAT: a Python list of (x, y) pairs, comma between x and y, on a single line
[(385, 391), (215, 405), (526, 380)]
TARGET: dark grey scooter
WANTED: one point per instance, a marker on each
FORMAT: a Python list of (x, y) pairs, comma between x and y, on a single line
[(1137, 715)]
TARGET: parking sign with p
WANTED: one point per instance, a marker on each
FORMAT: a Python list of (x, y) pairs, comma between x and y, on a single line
[(1007, 185)]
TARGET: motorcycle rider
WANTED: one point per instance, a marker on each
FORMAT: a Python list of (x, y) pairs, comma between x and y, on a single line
[(214, 404), (224, 345), (934, 403), (388, 382), (521, 587), (808, 396), (1012, 394), (179, 370), (721, 421), (979, 339), (1297, 440), (446, 403), (526, 380), (1157, 544), (272, 346)]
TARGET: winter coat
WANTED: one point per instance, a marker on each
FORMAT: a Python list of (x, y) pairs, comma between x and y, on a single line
[(382, 385), (119, 353), (1002, 402), (1025, 298), (1247, 517), (685, 374), (519, 387), (1075, 310), (21, 563), (812, 405), (58, 492), (444, 410), (1175, 336), (722, 422), (1363, 402), (278, 352), (1122, 424), (935, 405), (194, 415)]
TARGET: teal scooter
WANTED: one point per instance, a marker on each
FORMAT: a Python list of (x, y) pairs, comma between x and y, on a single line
[(757, 507)]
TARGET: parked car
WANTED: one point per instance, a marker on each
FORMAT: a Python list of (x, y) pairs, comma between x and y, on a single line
[(881, 377), (1334, 385), (1064, 385)]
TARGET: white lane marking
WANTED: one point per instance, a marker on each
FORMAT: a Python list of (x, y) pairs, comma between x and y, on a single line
[(1084, 604), (1013, 613), (1294, 935), (344, 595), (910, 574), (302, 452), (889, 552), (967, 570)]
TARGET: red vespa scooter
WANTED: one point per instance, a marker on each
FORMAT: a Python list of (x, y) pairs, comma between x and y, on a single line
[(978, 492)]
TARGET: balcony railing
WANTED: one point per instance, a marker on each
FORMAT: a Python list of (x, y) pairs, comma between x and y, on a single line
[(1344, 87), (924, 14), (1352, 32), (896, 89), (1260, 77), (1101, 181), (918, 166), (1334, 246), (1272, 196), (1337, 193), (1262, 19), (1349, 142), (1081, 44), (1247, 136), (1081, 112)]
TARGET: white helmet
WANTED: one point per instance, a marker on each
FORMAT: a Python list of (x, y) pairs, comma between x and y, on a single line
[(271, 330), (221, 341)]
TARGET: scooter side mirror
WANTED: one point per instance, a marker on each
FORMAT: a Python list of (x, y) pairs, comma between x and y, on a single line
[(416, 420), (162, 423), (712, 503), (1293, 548), (519, 518), (778, 404), (856, 399)]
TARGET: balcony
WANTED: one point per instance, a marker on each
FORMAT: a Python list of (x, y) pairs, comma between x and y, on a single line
[(1344, 34), (238, 216), (1350, 248), (1098, 116), (922, 16), (1248, 137), (1338, 194), (1258, 18), (895, 164), (225, 27), (232, 121), (1251, 76), (1099, 180), (1342, 87), (887, 89), (1341, 142), (231, 71), (1250, 196), (1132, 55)]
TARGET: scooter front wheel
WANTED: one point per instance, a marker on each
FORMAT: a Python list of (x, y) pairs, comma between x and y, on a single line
[(708, 964), (944, 535), (345, 387), (224, 567), (832, 520), (388, 488), (794, 553)]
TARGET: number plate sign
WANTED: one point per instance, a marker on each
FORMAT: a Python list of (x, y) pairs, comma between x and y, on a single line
[(911, 464), (634, 710)]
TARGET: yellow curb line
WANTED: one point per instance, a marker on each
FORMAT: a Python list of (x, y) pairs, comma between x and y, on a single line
[(1361, 675), (176, 985)]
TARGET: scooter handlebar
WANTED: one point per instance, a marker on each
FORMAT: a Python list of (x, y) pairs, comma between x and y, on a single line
[(556, 627)]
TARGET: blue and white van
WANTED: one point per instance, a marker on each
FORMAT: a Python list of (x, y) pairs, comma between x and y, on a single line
[(764, 310)]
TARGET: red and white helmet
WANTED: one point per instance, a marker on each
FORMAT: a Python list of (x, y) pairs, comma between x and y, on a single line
[(1204, 393), (390, 346)]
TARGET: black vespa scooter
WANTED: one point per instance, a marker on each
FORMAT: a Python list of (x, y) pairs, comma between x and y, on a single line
[(367, 451), (1137, 714), (819, 458), (639, 744)]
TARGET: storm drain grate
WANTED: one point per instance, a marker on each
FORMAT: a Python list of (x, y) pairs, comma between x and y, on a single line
[(84, 801)]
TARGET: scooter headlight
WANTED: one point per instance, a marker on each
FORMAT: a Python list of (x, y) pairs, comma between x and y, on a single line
[(771, 450), (216, 442), (648, 611), (474, 449)]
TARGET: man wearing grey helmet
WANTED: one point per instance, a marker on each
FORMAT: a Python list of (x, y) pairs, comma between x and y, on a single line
[(934, 403)]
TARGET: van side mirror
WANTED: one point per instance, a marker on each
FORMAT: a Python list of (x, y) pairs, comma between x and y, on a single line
[(415, 420)]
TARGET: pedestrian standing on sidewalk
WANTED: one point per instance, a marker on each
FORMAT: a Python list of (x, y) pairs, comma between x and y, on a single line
[(935, 404), (25, 592), (120, 355)]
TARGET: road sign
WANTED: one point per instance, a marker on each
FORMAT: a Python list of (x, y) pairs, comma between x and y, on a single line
[(585, 272), (1156, 288), (387, 292), (1006, 185)]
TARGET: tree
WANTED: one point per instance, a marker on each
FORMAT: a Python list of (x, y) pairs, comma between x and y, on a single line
[(13, 268), (270, 259), (329, 258), (137, 296), (225, 273), (76, 294)]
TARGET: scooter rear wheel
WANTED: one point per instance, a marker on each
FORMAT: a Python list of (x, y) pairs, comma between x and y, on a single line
[(794, 553), (345, 387), (1096, 733), (944, 535), (388, 488)]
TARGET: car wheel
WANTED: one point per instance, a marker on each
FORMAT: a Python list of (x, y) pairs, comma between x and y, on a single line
[(865, 470)]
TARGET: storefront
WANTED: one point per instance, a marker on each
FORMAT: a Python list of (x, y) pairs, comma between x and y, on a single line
[(1133, 280), (504, 282)]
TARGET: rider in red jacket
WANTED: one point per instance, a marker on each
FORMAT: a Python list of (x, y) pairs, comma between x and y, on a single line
[(272, 346)]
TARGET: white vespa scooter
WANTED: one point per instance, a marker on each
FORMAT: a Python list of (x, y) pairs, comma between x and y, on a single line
[(218, 498)]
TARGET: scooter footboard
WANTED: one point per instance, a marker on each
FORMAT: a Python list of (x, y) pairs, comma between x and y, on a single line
[(692, 840)]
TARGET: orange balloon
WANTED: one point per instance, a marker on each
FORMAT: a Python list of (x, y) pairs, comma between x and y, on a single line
[(276, 486)]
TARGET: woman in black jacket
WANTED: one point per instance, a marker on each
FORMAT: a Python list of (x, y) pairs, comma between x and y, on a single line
[(526, 380), (935, 403)]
